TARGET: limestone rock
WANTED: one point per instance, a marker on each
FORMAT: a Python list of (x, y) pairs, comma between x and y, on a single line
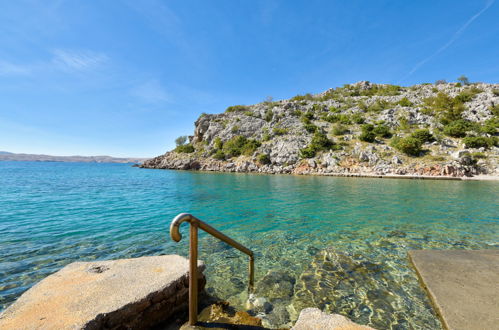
[(126, 293), (314, 319)]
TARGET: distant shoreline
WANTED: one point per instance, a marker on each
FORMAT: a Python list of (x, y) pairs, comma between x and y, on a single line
[(5, 156)]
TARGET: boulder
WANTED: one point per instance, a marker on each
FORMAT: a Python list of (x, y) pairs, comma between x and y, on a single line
[(115, 294), (313, 318)]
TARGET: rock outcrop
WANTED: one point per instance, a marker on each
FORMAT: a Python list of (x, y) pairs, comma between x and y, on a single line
[(352, 130), (117, 294)]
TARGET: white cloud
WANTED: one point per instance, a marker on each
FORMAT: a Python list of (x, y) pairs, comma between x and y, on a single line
[(151, 92), (78, 60), (11, 69)]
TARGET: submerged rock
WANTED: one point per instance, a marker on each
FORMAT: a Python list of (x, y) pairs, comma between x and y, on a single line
[(313, 318), (356, 288)]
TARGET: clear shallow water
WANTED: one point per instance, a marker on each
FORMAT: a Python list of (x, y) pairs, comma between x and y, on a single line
[(336, 243)]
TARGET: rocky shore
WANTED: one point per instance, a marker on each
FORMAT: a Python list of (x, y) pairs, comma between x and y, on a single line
[(424, 131)]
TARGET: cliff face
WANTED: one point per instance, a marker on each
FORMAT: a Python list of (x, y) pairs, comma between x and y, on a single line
[(364, 128)]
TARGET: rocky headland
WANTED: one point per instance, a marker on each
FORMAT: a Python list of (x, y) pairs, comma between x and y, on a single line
[(434, 130)]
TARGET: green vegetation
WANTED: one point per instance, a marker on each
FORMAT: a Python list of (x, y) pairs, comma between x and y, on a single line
[(478, 155), (490, 126), (237, 108), (423, 135), (181, 140), (463, 80), (306, 97), (268, 115), (447, 108), (341, 118), (378, 106), (319, 142), (307, 123), (264, 159), (468, 94), (457, 128), (367, 134), (185, 148), (340, 129), (409, 145), (479, 142), (382, 131), (234, 129), (495, 92), (494, 109), (280, 131), (404, 102), (370, 131), (219, 154), (357, 118), (218, 143), (239, 145)]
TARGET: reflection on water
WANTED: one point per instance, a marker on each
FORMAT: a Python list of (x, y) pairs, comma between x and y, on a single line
[(339, 244)]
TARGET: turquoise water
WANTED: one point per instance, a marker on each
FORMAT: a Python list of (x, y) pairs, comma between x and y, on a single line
[(336, 243)]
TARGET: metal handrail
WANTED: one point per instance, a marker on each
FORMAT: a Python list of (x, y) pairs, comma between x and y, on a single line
[(193, 256)]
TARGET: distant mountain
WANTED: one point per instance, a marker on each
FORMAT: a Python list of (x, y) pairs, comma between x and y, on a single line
[(4, 155)]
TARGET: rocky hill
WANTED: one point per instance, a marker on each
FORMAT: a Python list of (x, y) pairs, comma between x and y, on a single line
[(445, 129)]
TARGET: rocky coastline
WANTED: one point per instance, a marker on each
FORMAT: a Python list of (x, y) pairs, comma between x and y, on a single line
[(441, 130)]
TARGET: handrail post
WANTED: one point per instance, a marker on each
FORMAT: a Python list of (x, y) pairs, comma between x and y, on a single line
[(251, 273), (195, 224), (193, 274)]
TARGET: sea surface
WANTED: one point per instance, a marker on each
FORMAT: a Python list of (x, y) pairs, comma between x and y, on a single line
[(336, 243)]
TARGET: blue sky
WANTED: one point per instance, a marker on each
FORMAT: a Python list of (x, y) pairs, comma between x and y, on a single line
[(125, 78)]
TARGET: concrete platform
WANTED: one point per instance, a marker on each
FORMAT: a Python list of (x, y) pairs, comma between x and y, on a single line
[(462, 284), (115, 294)]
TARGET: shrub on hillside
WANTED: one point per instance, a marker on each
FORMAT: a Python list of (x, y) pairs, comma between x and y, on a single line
[(408, 145), (378, 106), (280, 131), (463, 80), (268, 115), (490, 126), (218, 144), (423, 135), (319, 142), (468, 94), (306, 97), (219, 154), (185, 148), (367, 134), (494, 109), (239, 145), (264, 159), (181, 140), (457, 128), (382, 131), (236, 108), (446, 107), (357, 118), (339, 129), (479, 142), (404, 102)]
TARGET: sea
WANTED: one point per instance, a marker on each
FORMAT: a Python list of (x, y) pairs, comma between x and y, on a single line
[(339, 244)]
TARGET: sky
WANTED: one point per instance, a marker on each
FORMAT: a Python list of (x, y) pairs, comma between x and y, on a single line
[(125, 78)]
